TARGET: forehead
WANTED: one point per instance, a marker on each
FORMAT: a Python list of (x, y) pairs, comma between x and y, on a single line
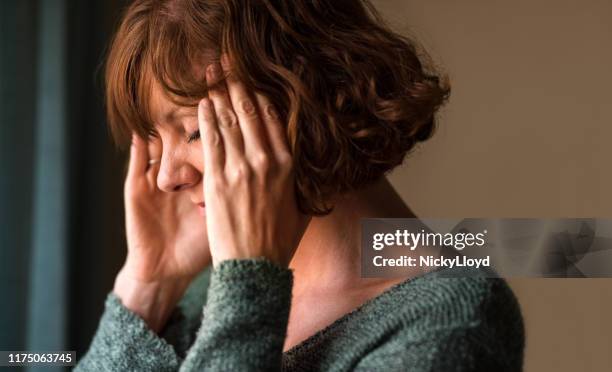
[(159, 103), (160, 107), (163, 110)]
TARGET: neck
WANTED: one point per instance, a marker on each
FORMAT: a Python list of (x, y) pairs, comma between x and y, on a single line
[(328, 255)]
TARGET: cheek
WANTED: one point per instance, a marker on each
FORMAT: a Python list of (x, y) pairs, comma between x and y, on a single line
[(195, 157)]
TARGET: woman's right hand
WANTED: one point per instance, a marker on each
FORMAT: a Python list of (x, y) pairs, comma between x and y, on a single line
[(166, 238)]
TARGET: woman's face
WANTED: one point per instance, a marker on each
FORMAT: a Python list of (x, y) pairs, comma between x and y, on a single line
[(181, 166)]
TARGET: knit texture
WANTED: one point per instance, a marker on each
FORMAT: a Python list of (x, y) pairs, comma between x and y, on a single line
[(234, 318)]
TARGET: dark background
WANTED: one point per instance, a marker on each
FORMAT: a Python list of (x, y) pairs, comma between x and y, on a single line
[(61, 231)]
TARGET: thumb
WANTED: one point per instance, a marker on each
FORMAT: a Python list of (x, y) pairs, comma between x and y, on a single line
[(138, 156)]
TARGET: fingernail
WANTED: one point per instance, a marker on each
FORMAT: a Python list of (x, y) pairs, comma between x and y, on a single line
[(225, 61), (212, 72), (204, 103)]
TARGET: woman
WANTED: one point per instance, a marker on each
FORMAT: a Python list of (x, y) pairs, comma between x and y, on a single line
[(277, 122)]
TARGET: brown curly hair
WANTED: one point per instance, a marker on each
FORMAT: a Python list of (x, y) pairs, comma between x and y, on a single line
[(356, 97)]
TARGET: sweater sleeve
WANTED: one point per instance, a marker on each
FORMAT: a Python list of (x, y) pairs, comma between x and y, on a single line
[(124, 342), (245, 318), (243, 327)]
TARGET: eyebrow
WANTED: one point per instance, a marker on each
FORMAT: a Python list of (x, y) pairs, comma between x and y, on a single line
[(176, 113)]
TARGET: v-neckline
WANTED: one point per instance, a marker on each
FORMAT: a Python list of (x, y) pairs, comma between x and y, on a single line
[(360, 308)]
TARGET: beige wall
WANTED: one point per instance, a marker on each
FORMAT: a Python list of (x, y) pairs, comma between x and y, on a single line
[(526, 134)]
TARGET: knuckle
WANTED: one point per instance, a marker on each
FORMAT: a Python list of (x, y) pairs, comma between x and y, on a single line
[(270, 112), (213, 139), (228, 119), (240, 172), (261, 161), (285, 161), (247, 107)]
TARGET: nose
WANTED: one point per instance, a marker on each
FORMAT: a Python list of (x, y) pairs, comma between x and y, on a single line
[(176, 174)]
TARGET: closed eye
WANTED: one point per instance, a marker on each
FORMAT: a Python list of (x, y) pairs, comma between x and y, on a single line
[(194, 136)]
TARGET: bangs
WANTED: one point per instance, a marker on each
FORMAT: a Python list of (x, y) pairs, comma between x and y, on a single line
[(147, 50)]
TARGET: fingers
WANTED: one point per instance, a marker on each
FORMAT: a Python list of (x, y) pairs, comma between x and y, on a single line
[(236, 126), (140, 168), (154, 150), (138, 156), (212, 144), (273, 127), (246, 110), (226, 120)]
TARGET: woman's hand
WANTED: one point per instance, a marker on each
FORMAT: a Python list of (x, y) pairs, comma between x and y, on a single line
[(166, 235), (251, 210), (166, 238)]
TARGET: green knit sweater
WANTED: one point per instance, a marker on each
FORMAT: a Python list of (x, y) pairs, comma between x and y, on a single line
[(234, 318)]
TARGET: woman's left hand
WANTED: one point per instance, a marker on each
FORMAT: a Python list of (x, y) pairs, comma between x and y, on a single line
[(251, 209)]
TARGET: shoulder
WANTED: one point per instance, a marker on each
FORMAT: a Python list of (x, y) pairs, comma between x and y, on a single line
[(452, 317), (431, 322), (456, 294), (458, 298)]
